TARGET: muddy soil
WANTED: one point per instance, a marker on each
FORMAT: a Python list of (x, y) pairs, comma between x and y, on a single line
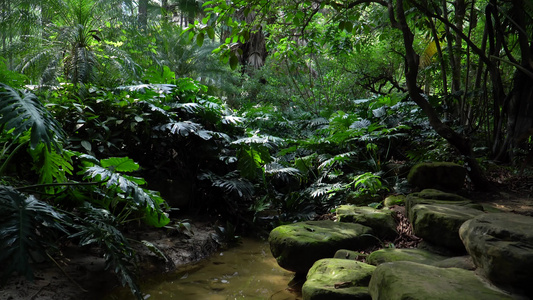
[(81, 275)]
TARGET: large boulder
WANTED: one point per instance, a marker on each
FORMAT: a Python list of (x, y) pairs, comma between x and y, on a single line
[(297, 246), (439, 175), (439, 224), (501, 244), (461, 262), (414, 255), (408, 280), (432, 196), (332, 279), (380, 220)]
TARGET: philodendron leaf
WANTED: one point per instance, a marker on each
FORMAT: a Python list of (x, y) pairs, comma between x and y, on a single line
[(120, 164), (23, 111)]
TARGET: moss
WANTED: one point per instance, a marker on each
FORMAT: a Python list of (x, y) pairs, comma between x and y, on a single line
[(408, 280), (394, 200), (414, 255), (381, 220), (338, 279), (297, 246)]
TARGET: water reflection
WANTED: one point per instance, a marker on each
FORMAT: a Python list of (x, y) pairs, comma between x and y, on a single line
[(247, 271)]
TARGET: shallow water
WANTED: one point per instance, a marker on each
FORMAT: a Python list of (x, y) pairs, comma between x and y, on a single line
[(247, 271)]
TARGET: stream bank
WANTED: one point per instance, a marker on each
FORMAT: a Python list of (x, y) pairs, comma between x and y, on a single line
[(81, 275)]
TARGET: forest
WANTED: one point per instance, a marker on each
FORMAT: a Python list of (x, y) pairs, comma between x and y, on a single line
[(117, 114)]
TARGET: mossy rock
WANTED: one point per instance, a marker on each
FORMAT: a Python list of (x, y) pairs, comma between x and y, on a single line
[(349, 254), (501, 245), (297, 246), (440, 175), (380, 220), (439, 195), (362, 199), (436, 197), (332, 279), (439, 224), (414, 255), (461, 262), (394, 200), (408, 280)]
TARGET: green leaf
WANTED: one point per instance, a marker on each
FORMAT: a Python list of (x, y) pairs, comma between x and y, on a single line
[(233, 61), (86, 145), (120, 164), (27, 228), (51, 165), (22, 111), (153, 248), (200, 39), (211, 33)]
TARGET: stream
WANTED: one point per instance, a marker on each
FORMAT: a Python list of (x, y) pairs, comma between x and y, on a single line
[(247, 271)]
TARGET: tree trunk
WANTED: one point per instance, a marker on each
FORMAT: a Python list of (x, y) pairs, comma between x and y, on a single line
[(143, 13), (460, 142), (520, 108)]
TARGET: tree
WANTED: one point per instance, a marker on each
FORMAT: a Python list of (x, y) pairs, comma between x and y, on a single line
[(481, 97), (69, 44)]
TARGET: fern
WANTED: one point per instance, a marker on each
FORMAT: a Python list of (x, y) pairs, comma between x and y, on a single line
[(22, 111), (27, 228)]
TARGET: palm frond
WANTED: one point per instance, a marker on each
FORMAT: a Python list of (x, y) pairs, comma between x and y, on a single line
[(23, 111)]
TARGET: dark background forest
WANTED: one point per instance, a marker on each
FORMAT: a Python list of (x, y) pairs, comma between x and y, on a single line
[(116, 114)]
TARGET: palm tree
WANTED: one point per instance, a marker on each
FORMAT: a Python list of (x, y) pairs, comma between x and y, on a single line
[(73, 48)]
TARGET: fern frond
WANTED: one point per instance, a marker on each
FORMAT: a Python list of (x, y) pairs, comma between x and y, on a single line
[(23, 111)]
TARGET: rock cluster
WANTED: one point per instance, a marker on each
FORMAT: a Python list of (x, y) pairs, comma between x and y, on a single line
[(468, 253)]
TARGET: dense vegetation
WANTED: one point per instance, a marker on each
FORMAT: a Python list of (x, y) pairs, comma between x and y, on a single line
[(118, 114)]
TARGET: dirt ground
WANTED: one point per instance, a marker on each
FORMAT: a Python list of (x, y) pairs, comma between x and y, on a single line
[(81, 275), (86, 278)]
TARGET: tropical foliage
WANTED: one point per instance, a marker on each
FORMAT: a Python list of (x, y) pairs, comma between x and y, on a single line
[(118, 114)]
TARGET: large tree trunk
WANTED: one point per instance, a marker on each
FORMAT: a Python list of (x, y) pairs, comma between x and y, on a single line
[(460, 142), (520, 108)]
